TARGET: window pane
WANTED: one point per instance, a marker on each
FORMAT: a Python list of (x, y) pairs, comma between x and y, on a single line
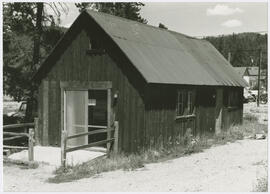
[(190, 106), (179, 107), (185, 103)]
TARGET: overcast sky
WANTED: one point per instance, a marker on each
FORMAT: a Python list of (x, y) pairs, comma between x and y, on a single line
[(199, 19)]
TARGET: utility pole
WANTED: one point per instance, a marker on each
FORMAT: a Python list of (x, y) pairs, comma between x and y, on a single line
[(229, 57), (259, 77)]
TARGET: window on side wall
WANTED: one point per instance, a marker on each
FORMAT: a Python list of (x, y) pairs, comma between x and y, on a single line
[(185, 103)]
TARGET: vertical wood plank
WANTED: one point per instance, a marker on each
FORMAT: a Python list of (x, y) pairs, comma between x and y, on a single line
[(31, 145), (129, 118), (53, 120), (86, 115), (58, 113), (50, 114), (218, 110), (63, 147), (36, 129), (116, 136), (108, 119), (126, 116), (40, 112), (62, 124), (45, 112), (132, 125)]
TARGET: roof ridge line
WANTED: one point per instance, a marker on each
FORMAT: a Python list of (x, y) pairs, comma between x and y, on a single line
[(140, 23)]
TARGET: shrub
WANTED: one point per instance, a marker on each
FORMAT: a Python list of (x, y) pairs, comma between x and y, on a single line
[(22, 164), (262, 185), (250, 117), (236, 132)]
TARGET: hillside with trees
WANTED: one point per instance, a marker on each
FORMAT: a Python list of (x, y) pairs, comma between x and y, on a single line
[(244, 48)]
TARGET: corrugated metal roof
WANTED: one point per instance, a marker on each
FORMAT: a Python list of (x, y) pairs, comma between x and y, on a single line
[(163, 56)]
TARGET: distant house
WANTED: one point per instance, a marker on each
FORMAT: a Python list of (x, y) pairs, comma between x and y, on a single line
[(250, 74), (157, 84), (243, 72), (253, 77)]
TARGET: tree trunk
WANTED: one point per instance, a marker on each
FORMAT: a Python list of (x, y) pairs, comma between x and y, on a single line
[(36, 53), (36, 59)]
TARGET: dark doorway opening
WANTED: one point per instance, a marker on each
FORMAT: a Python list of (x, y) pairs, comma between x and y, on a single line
[(97, 113)]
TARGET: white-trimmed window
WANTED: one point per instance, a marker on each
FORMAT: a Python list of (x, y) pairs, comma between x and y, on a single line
[(185, 102)]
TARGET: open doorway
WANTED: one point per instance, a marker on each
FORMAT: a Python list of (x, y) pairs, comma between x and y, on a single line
[(85, 111)]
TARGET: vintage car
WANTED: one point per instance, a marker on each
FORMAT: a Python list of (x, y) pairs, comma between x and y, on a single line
[(14, 117)]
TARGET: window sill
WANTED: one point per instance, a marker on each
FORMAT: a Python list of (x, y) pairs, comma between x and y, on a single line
[(185, 117)]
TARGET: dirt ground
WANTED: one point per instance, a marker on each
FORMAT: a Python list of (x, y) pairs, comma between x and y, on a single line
[(231, 167)]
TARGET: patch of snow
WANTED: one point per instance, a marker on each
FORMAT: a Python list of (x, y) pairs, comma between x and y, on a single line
[(52, 155)]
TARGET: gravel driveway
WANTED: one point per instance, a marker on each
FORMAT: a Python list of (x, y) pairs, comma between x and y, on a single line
[(231, 167)]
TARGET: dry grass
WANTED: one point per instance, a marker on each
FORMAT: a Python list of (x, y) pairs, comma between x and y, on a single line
[(250, 117), (262, 182), (129, 162), (22, 164), (262, 185), (187, 145)]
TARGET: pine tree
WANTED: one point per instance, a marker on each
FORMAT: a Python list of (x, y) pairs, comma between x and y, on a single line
[(129, 10)]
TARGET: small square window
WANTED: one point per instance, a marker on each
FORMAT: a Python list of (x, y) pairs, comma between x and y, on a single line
[(92, 44)]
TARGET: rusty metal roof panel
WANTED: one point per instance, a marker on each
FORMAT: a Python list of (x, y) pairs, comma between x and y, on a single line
[(163, 56)]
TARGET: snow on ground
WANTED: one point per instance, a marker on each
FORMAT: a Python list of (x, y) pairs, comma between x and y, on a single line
[(52, 155)]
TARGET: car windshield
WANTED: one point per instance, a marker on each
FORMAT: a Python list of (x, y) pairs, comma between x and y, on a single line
[(23, 107)]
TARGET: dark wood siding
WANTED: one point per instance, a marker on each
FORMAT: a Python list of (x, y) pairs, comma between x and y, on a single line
[(146, 112), (40, 109), (232, 115), (212, 116), (206, 109), (75, 65), (162, 127)]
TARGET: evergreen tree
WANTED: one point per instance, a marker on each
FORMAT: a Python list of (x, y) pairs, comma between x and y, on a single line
[(162, 26), (244, 48), (27, 39), (130, 10)]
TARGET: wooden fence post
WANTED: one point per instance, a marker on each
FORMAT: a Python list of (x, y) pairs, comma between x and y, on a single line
[(36, 131), (108, 120), (63, 148), (116, 131), (31, 145)]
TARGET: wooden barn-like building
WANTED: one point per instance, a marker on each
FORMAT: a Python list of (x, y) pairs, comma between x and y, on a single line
[(156, 83)]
